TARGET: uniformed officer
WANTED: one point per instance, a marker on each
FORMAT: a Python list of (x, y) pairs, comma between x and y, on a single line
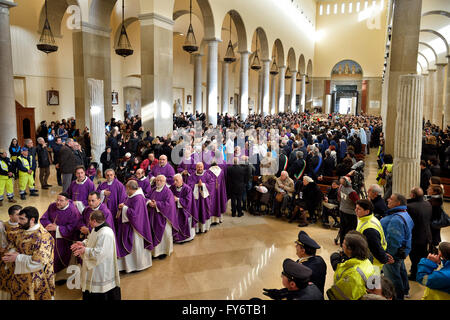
[(306, 251), (295, 278), (26, 166), (6, 177)]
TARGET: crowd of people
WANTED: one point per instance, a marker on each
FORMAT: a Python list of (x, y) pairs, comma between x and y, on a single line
[(154, 192)]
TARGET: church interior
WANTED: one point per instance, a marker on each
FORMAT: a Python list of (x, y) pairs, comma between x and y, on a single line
[(253, 57)]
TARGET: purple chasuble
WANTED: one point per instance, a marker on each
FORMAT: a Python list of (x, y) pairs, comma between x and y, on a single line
[(166, 171), (84, 222), (138, 221), (117, 196), (186, 200), (80, 191), (167, 211), (203, 205), (67, 221), (219, 196), (186, 164), (144, 184)]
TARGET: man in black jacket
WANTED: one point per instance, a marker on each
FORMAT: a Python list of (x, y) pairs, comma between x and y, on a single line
[(67, 163), (56, 148), (371, 228), (44, 161), (379, 205), (420, 212), (425, 175), (237, 181)]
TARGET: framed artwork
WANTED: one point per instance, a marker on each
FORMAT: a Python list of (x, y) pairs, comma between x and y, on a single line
[(231, 100), (53, 98), (115, 97), (189, 99)]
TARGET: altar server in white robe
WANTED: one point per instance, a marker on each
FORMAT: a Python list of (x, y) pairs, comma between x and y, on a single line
[(100, 280)]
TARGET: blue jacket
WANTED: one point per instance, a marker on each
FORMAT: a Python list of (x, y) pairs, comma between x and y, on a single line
[(432, 278), (396, 232)]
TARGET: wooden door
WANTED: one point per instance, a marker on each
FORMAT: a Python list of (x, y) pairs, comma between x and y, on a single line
[(26, 128)]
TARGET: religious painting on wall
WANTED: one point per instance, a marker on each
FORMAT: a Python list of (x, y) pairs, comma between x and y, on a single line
[(347, 69), (115, 97), (231, 100), (189, 99), (53, 98)]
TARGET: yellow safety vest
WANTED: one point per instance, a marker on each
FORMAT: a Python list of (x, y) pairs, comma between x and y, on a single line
[(433, 294), (25, 162), (370, 221), (350, 279), (4, 165)]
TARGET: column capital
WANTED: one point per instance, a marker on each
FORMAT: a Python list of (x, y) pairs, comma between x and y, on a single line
[(441, 64), (97, 30), (7, 4), (266, 60), (431, 70), (212, 40), (197, 54), (147, 19), (244, 52)]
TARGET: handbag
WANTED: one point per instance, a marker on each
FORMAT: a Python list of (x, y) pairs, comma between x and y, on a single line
[(442, 222), (279, 197)]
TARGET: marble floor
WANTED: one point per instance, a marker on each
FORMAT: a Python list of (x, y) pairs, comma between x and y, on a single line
[(234, 260)]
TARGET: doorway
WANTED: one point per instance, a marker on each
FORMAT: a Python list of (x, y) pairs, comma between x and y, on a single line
[(26, 128)]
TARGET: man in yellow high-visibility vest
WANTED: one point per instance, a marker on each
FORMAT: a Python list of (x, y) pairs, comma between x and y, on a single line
[(6, 177), (371, 228), (26, 166)]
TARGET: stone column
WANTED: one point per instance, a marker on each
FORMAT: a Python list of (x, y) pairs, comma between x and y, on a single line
[(303, 96), (91, 59), (447, 97), (273, 94), (408, 133), (225, 95), (425, 96), (259, 99), (265, 87), (211, 81), (281, 88), (198, 82), (157, 73), (403, 58), (243, 84), (439, 94), (430, 93), (8, 126), (97, 119), (293, 90)]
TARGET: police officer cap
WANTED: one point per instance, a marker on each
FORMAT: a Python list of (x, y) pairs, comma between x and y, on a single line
[(24, 149), (296, 271), (305, 240)]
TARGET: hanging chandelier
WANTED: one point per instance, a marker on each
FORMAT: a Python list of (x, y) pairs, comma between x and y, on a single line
[(256, 65), (47, 42), (288, 74), (124, 48), (190, 44), (299, 77), (274, 68), (229, 55), (307, 79)]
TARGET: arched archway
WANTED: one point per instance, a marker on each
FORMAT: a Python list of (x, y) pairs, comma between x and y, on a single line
[(278, 52), (347, 92)]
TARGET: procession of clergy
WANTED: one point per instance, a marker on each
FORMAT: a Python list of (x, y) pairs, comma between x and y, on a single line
[(111, 228)]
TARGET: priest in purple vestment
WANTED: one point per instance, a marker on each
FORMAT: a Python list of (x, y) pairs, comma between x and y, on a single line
[(112, 192), (80, 188), (202, 185), (187, 166), (186, 211), (62, 219), (143, 181), (163, 217), (219, 196), (95, 203), (163, 168), (134, 234)]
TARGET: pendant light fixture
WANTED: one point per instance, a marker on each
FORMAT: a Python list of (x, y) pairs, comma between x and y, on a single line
[(288, 74), (124, 48), (274, 68), (47, 42), (299, 78), (229, 55), (190, 44), (307, 79), (256, 65)]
